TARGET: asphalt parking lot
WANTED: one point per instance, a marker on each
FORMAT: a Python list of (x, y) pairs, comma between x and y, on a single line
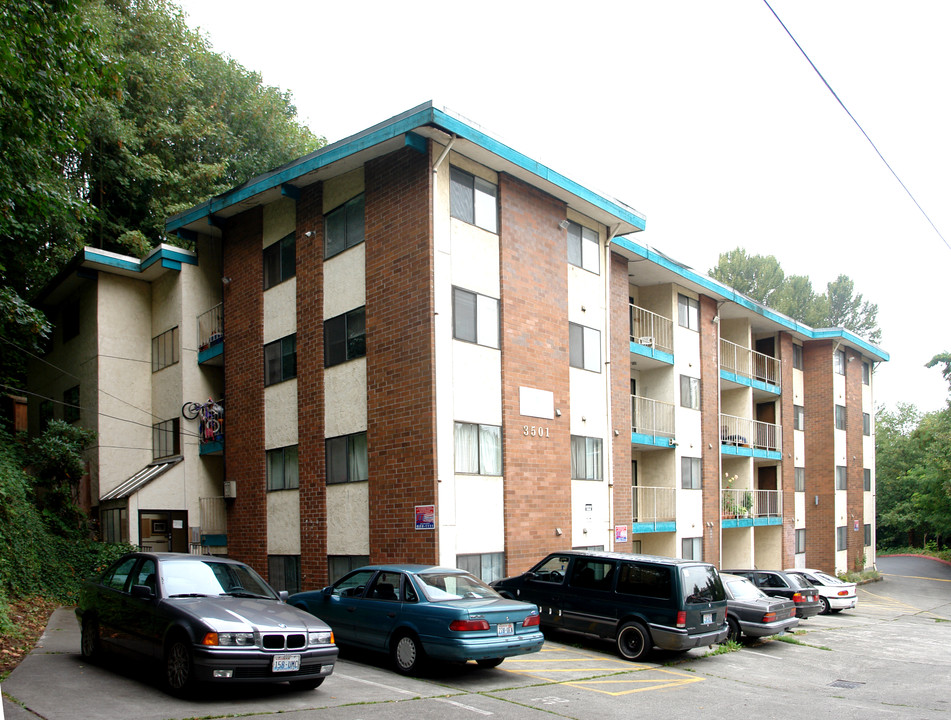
[(891, 657)]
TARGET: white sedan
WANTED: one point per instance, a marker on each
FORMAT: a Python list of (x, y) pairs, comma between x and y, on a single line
[(835, 594)]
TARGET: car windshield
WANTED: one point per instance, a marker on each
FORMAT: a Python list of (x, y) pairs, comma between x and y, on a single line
[(743, 589), (191, 578), (827, 579), (442, 586), (701, 584)]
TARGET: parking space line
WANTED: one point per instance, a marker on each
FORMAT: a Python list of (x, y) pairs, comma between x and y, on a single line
[(379, 685), (645, 684), (457, 704)]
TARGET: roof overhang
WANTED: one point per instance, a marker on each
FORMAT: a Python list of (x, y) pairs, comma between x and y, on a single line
[(142, 478)]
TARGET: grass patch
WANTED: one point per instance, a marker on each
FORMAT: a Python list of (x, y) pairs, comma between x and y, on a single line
[(795, 641)]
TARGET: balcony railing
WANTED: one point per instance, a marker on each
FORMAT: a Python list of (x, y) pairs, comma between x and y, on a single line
[(211, 327), (739, 503), (651, 329), (746, 432), (213, 514), (652, 417), (653, 504), (749, 363)]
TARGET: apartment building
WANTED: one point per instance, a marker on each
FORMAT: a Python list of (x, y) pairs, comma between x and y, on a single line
[(435, 349)]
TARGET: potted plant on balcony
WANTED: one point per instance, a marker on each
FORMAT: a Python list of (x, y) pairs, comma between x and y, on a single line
[(746, 507), (729, 498)]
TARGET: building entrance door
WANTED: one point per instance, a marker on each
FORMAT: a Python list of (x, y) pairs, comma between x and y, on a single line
[(163, 530)]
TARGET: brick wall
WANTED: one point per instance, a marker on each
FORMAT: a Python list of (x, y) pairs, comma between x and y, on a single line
[(787, 466), (620, 369), (534, 294), (709, 428), (855, 460), (400, 355), (244, 388), (819, 409)]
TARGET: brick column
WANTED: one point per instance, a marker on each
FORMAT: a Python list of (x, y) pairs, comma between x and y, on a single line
[(710, 428), (620, 369), (855, 460), (787, 466), (819, 409)]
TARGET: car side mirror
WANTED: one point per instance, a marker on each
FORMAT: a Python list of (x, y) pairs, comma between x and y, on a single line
[(328, 591), (143, 592), (283, 595)]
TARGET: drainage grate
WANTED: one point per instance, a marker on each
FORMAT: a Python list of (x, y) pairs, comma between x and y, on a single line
[(847, 684)]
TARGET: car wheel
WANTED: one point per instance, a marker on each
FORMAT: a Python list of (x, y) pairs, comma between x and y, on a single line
[(633, 641), (407, 654), (179, 672), (306, 684), (90, 644), (734, 631), (826, 608), (489, 663)]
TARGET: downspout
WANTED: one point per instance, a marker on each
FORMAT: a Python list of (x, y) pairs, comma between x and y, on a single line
[(607, 391), (719, 509), (443, 154)]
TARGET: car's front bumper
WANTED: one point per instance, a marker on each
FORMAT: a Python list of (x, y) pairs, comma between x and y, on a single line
[(226, 665), (672, 639), (463, 649)]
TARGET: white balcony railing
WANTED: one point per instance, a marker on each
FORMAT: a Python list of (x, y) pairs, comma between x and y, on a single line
[(653, 504), (651, 329), (739, 503), (749, 363), (746, 432), (211, 327), (652, 417)]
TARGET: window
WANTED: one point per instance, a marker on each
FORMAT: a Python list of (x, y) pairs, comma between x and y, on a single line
[(801, 541), (688, 312), (797, 357), (473, 200), (345, 337), (283, 572), (113, 525), (70, 319), (280, 360), (592, 574), (347, 458), (692, 548), (344, 227), (584, 347), (585, 458), (487, 566), (690, 473), (840, 417), (636, 546), (866, 373), (838, 362), (841, 477), (868, 534), (280, 261), (71, 404), (340, 565), (165, 439), (646, 580), (690, 392), (841, 537), (866, 424), (584, 249), (799, 475), (478, 449), (165, 349), (282, 468), (866, 479), (475, 318), (799, 417)]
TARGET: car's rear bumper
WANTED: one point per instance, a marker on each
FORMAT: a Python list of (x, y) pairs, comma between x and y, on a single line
[(755, 629), (842, 603), (212, 665), (672, 639), (463, 649)]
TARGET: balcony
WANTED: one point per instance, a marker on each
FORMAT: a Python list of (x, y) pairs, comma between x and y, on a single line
[(652, 336), (652, 422), (214, 525), (749, 508), (211, 424), (211, 336), (752, 438), (654, 509), (750, 368)]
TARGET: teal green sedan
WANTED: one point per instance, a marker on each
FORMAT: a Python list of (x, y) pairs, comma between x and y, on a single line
[(418, 613)]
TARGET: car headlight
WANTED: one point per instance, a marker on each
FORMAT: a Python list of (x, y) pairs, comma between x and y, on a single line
[(239, 639), (322, 637)]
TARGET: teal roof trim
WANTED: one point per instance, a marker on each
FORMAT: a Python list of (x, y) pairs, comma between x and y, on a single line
[(169, 258)]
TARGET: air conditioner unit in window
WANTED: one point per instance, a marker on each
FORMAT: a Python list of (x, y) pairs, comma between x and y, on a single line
[(230, 490)]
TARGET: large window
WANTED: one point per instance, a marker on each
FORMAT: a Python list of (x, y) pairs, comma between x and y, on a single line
[(841, 477), (280, 261), (584, 250), (840, 417), (114, 525), (799, 479), (487, 566), (165, 349), (841, 537), (283, 572), (690, 473), (690, 392), (692, 548), (584, 347), (345, 337), (838, 362), (797, 357), (473, 200), (340, 565), (688, 312), (800, 541), (71, 404), (799, 417), (347, 458), (585, 458), (282, 468), (475, 318), (344, 227), (165, 439), (478, 449), (280, 360)]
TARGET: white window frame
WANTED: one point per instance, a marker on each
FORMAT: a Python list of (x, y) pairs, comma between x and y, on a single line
[(689, 392), (688, 312), (588, 450), (590, 347), (691, 548), (584, 247), (482, 314), (691, 473), (481, 198), (481, 457)]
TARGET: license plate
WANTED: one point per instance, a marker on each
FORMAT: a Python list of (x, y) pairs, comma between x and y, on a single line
[(707, 618), (506, 629), (285, 663)]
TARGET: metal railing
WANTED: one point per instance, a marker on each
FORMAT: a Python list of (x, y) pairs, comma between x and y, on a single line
[(739, 503), (749, 363), (746, 432), (651, 329), (653, 504), (213, 515), (211, 327), (652, 417)]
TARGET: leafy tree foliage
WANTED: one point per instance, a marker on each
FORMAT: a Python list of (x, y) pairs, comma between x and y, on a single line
[(761, 278), (57, 465)]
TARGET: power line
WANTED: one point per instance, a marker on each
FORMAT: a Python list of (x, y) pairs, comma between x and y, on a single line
[(861, 129)]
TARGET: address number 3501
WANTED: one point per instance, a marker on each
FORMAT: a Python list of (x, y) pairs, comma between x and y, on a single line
[(535, 431)]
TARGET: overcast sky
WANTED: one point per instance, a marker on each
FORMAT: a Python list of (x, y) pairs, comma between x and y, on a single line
[(702, 115)]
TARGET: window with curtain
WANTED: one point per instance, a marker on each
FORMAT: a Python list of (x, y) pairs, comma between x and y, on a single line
[(344, 226), (280, 360), (688, 312), (478, 449), (586, 458), (473, 200), (584, 347), (345, 337), (584, 249), (347, 458), (475, 318), (282, 468)]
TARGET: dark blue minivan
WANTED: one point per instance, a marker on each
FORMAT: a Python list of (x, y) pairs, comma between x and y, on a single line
[(640, 601)]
